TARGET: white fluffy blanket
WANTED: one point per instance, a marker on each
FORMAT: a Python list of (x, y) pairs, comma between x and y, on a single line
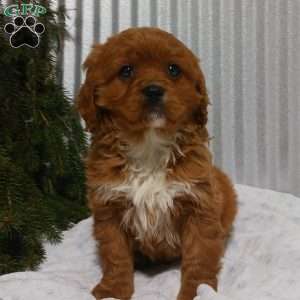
[(262, 261)]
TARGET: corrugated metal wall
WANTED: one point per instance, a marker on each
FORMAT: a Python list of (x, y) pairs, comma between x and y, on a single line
[(250, 52)]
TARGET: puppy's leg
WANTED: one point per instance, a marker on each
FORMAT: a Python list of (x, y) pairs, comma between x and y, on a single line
[(116, 260), (202, 248)]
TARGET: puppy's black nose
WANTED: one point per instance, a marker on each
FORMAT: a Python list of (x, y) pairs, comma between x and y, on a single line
[(153, 92)]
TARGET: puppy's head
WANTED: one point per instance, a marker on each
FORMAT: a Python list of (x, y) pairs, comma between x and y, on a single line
[(143, 78)]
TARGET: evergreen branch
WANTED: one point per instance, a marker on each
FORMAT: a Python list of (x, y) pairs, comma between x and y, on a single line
[(42, 183), (44, 118)]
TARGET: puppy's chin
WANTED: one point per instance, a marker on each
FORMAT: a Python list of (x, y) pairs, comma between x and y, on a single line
[(156, 119)]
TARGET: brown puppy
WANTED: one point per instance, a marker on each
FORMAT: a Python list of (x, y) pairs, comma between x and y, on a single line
[(152, 187)]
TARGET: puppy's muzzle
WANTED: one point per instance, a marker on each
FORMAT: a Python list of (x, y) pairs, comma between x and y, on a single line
[(153, 94)]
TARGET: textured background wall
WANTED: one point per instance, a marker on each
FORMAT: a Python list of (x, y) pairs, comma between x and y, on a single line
[(250, 52)]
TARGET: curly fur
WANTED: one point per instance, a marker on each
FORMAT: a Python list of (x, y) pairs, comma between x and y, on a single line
[(152, 186)]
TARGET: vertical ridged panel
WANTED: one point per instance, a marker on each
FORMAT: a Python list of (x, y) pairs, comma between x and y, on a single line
[(153, 13), (115, 16), (144, 13), (216, 83), (260, 92), (238, 90), (124, 14), (164, 15), (249, 51), (69, 48), (227, 86), (294, 96), (194, 31), (249, 96), (174, 16), (78, 42), (97, 20), (283, 108), (205, 50), (106, 20), (88, 29), (272, 90), (183, 16), (134, 13)]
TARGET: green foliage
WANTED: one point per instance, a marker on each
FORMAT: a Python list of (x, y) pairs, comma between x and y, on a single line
[(42, 190)]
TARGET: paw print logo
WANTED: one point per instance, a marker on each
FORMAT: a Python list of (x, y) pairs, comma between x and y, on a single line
[(24, 32)]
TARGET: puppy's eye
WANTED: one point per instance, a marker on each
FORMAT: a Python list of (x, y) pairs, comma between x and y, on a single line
[(174, 70), (126, 72)]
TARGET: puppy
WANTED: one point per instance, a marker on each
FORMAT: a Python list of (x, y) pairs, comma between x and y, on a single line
[(152, 187)]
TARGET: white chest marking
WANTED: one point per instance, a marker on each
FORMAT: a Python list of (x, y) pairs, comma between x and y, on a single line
[(151, 195), (152, 199)]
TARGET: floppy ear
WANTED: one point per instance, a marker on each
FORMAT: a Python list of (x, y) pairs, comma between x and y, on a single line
[(86, 106), (201, 112), (85, 101)]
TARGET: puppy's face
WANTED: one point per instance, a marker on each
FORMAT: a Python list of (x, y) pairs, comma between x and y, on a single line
[(143, 78)]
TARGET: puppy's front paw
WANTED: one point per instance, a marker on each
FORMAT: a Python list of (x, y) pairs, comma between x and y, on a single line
[(182, 296), (101, 291), (190, 291), (187, 293)]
